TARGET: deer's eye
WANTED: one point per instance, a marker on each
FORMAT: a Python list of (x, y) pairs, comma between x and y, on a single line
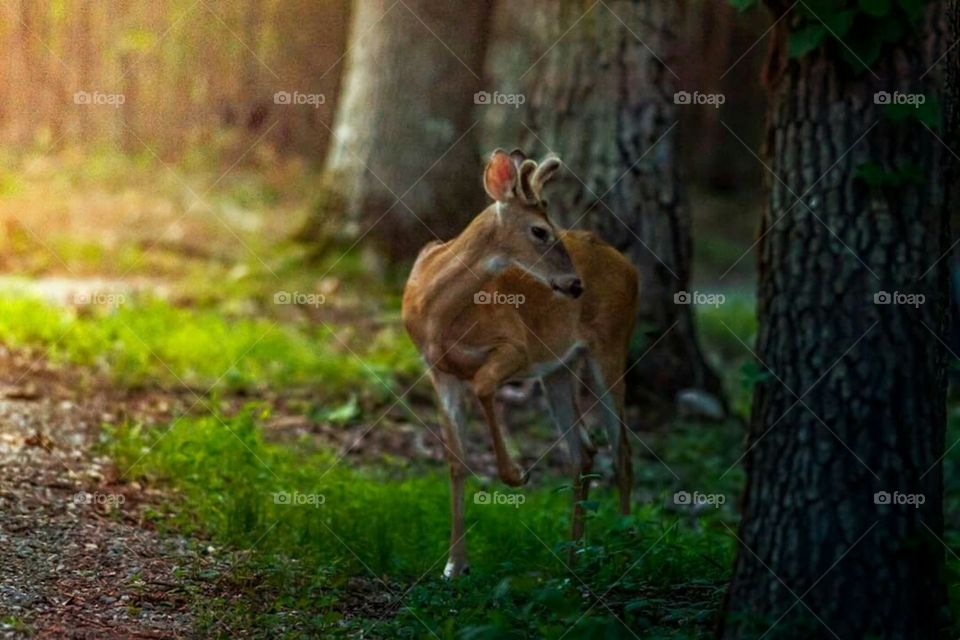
[(540, 233)]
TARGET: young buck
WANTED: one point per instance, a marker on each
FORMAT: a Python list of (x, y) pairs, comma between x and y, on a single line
[(515, 297)]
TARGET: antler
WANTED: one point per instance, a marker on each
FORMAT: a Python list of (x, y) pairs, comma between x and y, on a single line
[(531, 176), (544, 171)]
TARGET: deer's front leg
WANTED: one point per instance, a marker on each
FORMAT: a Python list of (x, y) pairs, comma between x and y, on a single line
[(504, 361)]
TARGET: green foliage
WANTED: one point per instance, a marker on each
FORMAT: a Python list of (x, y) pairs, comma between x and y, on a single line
[(148, 341), (662, 574), (928, 112), (806, 39), (877, 176), (743, 5), (858, 30)]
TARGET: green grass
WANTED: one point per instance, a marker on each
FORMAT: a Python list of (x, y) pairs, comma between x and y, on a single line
[(660, 571), (145, 342)]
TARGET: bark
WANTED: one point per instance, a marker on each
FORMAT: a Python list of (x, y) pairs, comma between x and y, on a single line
[(604, 102), (871, 377), (408, 102)]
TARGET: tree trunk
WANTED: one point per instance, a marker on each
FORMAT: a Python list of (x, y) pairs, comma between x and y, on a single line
[(604, 102), (408, 102), (855, 400)]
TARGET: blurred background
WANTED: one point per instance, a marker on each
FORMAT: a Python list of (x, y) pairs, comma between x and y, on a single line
[(172, 145), (208, 210)]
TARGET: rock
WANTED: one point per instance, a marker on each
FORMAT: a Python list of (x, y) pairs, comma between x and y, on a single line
[(697, 403)]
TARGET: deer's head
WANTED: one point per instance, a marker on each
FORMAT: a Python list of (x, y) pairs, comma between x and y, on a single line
[(525, 236)]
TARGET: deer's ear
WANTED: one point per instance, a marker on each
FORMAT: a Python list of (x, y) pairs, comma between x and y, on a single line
[(500, 176)]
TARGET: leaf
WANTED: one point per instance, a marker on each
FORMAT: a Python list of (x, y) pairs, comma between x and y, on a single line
[(913, 8), (876, 8), (890, 29), (342, 414), (930, 113), (817, 9), (861, 52), (743, 5), (876, 176), (871, 173), (590, 505), (751, 373), (805, 40), (840, 22)]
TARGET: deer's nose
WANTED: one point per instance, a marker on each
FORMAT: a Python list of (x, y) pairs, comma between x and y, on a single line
[(569, 285)]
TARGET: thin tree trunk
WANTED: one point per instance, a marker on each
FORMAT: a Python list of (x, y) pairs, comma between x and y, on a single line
[(604, 102), (405, 122), (854, 404)]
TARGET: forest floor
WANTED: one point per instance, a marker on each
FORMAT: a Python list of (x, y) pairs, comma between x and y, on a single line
[(161, 412), (80, 546), (79, 559)]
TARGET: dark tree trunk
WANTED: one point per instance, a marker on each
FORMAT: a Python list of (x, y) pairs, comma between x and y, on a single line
[(604, 102), (855, 400), (404, 124)]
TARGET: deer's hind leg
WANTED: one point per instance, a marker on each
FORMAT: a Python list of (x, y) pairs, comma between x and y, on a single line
[(452, 394), (561, 389), (605, 376)]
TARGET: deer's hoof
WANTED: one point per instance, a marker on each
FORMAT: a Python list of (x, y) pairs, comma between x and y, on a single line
[(515, 476), (455, 569)]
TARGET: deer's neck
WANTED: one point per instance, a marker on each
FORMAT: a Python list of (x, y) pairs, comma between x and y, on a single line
[(467, 262)]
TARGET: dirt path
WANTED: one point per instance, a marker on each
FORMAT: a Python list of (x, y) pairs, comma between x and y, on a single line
[(77, 558)]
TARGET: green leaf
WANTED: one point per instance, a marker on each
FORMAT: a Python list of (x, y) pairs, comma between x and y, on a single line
[(871, 173), (876, 176), (840, 22), (590, 505), (890, 29), (861, 52), (743, 5), (805, 40), (817, 9), (342, 414), (751, 373), (899, 112), (876, 8), (930, 113), (913, 8)]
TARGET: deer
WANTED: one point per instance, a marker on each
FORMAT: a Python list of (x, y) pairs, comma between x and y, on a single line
[(514, 297)]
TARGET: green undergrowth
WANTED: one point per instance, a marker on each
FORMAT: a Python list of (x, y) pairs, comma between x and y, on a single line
[(318, 533), (148, 342)]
